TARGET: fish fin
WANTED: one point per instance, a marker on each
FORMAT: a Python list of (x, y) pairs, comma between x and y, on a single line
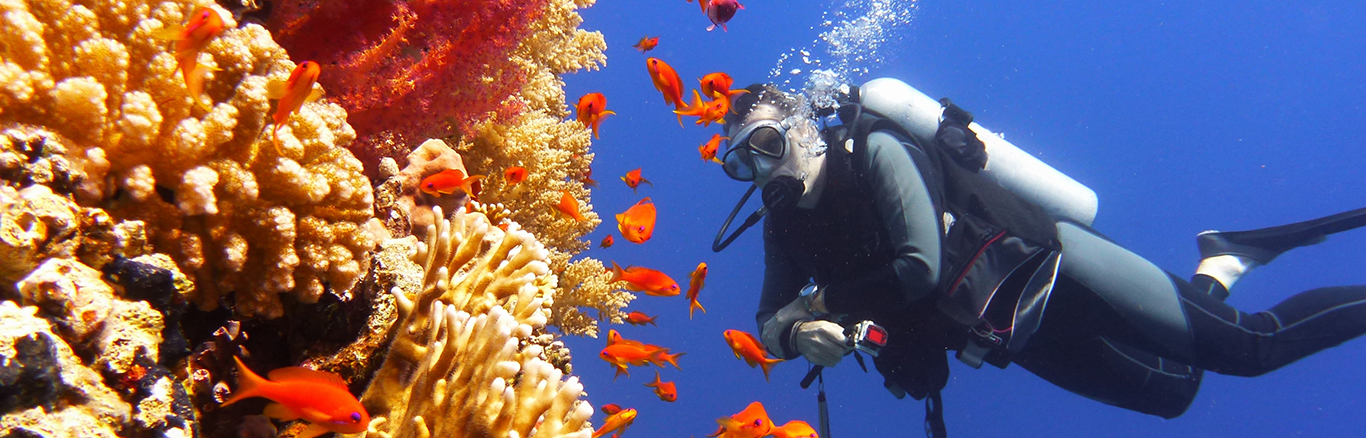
[(767, 364), (248, 383), (275, 89), (711, 28), (170, 32), (646, 181), (299, 374), (313, 430), (616, 272), (194, 83), (280, 412), (621, 369), (717, 160), (695, 306), (316, 94)]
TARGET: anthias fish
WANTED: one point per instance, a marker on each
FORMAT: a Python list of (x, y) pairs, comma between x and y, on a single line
[(617, 423), (292, 94), (753, 422), (666, 80), (569, 206), (646, 44), (449, 181), (592, 108), (514, 175), (192, 38), (637, 224), (642, 279), (633, 180), (666, 391), (640, 318), (696, 281), (318, 397), (746, 347), (708, 149)]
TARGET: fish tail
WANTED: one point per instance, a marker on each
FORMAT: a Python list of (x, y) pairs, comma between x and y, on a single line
[(694, 305), (248, 384), (616, 272), (767, 364), (664, 356), (194, 82), (468, 184)]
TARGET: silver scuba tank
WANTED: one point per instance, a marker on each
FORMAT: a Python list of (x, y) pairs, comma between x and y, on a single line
[(1012, 168)]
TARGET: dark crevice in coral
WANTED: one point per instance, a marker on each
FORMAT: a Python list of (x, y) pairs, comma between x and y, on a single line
[(156, 286), (31, 378)]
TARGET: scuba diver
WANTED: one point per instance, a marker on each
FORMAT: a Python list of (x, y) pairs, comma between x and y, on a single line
[(896, 220)]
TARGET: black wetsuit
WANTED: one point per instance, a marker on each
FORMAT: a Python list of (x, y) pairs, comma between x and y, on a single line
[(1116, 328)]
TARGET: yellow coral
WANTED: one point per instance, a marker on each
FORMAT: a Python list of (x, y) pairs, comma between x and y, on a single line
[(556, 156), (461, 363), (215, 195)]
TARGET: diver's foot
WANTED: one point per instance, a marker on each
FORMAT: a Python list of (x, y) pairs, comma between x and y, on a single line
[(1264, 245)]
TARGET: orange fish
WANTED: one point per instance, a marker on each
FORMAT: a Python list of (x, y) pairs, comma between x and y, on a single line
[(318, 397), (753, 422), (665, 390), (641, 279), (588, 178), (611, 408), (638, 318), (514, 175), (570, 206), (617, 422), (192, 38), (592, 109), (633, 180), (293, 93), (717, 86), (706, 112), (647, 43), (666, 80), (448, 181), (606, 242), (637, 223), (746, 347), (709, 148), (614, 337), (695, 284), (622, 354), (794, 429)]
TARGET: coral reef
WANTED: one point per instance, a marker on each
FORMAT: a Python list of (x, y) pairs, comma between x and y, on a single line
[(461, 362), (391, 55), (48, 391), (213, 192)]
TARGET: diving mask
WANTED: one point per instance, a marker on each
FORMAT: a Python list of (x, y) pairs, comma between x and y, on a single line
[(764, 137)]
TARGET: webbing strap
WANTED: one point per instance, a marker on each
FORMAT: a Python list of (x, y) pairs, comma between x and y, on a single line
[(823, 407), (934, 416)]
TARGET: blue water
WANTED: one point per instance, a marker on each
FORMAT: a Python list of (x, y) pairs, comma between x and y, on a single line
[(1182, 116)]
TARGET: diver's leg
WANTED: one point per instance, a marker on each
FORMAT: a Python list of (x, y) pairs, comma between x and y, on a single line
[(1227, 256), (1068, 351), (1230, 341), (1171, 318)]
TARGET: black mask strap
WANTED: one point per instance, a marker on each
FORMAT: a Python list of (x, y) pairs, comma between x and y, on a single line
[(717, 244)]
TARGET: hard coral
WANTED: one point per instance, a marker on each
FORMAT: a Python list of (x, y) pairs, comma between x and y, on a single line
[(233, 212), (462, 362), (408, 71)]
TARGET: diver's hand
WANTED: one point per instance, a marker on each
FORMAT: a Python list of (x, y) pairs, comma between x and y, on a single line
[(775, 333), (822, 342)]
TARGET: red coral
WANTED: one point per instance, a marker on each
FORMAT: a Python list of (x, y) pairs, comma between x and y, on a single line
[(410, 70)]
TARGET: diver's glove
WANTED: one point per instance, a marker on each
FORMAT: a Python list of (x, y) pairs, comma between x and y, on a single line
[(822, 342), (777, 332)]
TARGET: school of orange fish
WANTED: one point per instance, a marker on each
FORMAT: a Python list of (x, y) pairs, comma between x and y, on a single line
[(322, 399)]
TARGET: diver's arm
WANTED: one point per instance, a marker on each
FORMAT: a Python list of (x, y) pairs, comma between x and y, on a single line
[(782, 281), (908, 214)]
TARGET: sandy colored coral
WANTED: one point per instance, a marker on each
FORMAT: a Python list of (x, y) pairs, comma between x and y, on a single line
[(215, 195), (461, 363), (556, 155)]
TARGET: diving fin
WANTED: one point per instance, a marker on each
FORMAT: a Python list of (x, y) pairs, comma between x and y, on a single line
[(1264, 244)]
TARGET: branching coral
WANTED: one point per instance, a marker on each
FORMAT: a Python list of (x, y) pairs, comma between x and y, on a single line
[(394, 54), (215, 195), (461, 363)]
